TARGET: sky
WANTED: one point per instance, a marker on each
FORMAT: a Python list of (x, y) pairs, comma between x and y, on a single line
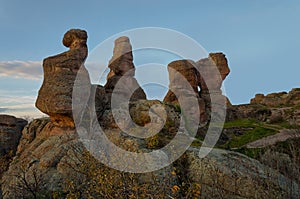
[(259, 37)]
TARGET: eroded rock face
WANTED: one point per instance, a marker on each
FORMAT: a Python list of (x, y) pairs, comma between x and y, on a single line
[(236, 176), (206, 75), (60, 71), (278, 99), (40, 153), (10, 133), (210, 78), (183, 78), (122, 61), (122, 70)]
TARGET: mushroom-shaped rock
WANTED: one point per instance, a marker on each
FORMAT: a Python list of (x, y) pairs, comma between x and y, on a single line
[(60, 72)]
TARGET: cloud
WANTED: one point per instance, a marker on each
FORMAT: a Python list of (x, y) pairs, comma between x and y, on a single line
[(19, 106), (22, 69)]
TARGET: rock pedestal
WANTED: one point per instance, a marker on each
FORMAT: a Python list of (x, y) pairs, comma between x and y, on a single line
[(122, 70), (121, 62), (60, 71)]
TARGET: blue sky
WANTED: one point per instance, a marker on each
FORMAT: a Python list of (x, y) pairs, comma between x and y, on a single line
[(259, 37)]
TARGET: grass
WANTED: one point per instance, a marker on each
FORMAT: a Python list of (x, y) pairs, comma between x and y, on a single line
[(241, 123), (250, 136), (257, 131), (287, 125)]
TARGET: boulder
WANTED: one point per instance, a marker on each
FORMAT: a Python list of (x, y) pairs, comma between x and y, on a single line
[(60, 72)]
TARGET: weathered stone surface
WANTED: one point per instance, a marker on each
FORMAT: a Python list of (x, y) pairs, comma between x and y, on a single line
[(213, 71), (122, 61), (233, 175), (278, 99), (10, 133), (182, 76), (122, 73), (183, 85), (60, 71), (127, 89), (40, 153), (55, 154)]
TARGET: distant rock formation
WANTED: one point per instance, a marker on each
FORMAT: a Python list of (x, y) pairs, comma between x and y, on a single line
[(278, 99), (60, 71), (271, 108), (122, 69)]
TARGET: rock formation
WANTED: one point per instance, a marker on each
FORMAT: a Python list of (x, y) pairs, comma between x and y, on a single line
[(183, 80), (10, 133), (210, 79), (278, 99), (51, 160), (271, 108), (60, 71), (122, 70), (121, 62)]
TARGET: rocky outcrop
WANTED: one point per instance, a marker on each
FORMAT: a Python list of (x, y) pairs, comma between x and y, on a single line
[(278, 99), (122, 73), (60, 72), (39, 160), (225, 174), (272, 108), (10, 133), (182, 78)]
